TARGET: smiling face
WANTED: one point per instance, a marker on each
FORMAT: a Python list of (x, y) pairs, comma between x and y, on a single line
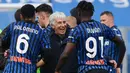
[(60, 26)]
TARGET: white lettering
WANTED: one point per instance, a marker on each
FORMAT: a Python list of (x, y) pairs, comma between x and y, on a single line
[(102, 1), (120, 3), (28, 29), (35, 1), (86, 0), (93, 30), (63, 1), (18, 27)]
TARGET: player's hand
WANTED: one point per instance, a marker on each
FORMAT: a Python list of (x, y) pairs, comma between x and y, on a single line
[(57, 71), (114, 63), (6, 53), (118, 70)]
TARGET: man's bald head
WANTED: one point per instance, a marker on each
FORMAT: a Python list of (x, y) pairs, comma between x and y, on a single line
[(71, 21)]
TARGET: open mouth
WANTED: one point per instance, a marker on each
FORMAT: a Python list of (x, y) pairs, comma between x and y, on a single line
[(62, 28)]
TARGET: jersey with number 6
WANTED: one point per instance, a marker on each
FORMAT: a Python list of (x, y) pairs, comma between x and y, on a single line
[(27, 40), (89, 39)]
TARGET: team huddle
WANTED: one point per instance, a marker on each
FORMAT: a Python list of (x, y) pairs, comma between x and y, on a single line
[(57, 43)]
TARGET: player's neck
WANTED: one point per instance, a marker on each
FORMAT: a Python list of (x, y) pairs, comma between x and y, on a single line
[(46, 24), (111, 25), (85, 19), (29, 20)]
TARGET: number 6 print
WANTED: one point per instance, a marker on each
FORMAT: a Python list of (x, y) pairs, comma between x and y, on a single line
[(22, 39)]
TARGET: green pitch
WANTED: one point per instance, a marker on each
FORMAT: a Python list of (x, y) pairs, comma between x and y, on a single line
[(38, 70)]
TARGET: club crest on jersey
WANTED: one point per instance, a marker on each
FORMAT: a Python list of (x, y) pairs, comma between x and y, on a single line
[(70, 37), (106, 43)]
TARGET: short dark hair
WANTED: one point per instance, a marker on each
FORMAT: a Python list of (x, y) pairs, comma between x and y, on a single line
[(17, 15), (44, 7), (107, 13), (28, 11), (74, 13), (85, 9)]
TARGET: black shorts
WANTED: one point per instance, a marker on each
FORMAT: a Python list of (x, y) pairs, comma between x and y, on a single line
[(97, 71)]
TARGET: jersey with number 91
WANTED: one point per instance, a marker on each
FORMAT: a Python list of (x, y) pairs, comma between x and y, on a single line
[(89, 39), (27, 40)]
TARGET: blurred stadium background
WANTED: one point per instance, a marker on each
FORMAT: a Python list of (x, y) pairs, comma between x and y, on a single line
[(120, 9)]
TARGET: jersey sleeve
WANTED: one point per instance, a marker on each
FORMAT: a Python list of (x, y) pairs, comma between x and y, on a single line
[(45, 41), (109, 33), (73, 36), (6, 36), (117, 32)]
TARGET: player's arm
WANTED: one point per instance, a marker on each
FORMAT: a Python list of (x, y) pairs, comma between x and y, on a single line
[(118, 70), (63, 58), (1, 35), (110, 61), (72, 41), (121, 45), (110, 34), (46, 48), (45, 57), (4, 44)]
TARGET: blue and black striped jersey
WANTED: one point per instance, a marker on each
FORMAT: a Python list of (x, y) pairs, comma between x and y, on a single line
[(89, 39), (27, 40), (110, 47)]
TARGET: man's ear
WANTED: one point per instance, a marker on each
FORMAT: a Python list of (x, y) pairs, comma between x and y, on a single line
[(21, 16)]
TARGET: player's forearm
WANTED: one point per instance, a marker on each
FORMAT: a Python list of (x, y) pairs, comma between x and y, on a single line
[(122, 48), (1, 36), (61, 62), (118, 70), (4, 43), (64, 56)]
